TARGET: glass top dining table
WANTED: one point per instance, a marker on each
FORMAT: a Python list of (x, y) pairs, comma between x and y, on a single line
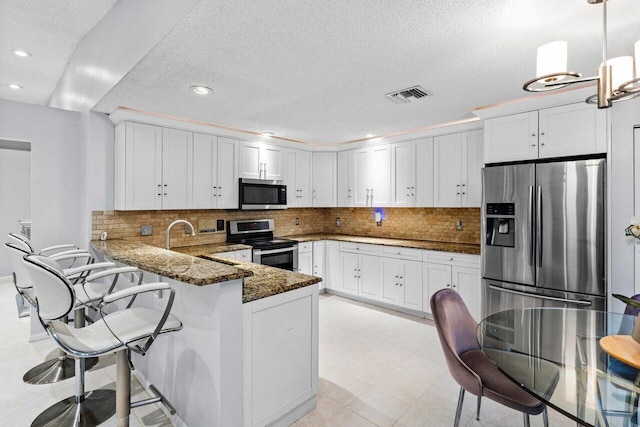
[(555, 354)]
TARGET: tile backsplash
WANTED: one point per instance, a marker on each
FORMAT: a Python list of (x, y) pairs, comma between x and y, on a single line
[(437, 224)]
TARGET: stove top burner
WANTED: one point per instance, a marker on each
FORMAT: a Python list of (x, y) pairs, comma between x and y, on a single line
[(269, 243)]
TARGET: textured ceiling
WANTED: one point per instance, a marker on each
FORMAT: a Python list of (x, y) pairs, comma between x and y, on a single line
[(50, 31), (317, 70)]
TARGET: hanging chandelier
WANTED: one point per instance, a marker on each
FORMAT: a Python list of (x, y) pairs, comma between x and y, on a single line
[(616, 80)]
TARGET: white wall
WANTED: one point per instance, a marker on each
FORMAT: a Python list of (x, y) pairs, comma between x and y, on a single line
[(15, 195), (100, 152), (623, 117), (57, 188)]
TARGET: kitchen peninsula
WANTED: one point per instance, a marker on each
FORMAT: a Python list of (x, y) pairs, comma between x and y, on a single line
[(248, 352)]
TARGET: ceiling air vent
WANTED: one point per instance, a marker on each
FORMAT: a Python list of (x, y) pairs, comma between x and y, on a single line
[(407, 95)]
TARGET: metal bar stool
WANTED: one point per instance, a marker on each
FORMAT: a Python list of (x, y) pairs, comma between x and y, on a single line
[(129, 329), (88, 293)]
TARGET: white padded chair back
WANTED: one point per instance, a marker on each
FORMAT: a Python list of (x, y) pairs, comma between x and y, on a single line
[(22, 242), (54, 293), (16, 253)]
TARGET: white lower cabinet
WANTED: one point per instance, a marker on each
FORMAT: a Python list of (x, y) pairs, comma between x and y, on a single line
[(359, 270), (401, 283), (402, 277), (332, 274), (280, 357), (305, 263), (318, 261), (457, 272), (241, 255)]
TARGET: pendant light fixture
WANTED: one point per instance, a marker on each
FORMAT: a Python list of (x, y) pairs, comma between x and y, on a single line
[(616, 80)]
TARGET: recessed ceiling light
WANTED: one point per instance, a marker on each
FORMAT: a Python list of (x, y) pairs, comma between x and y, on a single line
[(200, 90), (268, 134), (20, 53), (369, 135), (14, 86)]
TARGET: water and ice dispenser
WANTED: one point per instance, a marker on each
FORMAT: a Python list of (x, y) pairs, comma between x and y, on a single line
[(500, 224)]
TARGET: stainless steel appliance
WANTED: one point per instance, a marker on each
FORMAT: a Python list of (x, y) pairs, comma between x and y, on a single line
[(256, 194), (267, 250), (543, 235)]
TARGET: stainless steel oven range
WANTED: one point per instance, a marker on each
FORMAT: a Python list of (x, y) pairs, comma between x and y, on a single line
[(267, 250)]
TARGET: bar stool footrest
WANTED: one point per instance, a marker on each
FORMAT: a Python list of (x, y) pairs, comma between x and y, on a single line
[(157, 397)]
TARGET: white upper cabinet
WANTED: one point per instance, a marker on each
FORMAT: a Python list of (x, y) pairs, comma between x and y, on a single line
[(324, 171), (261, 161), (457, 169), (153, 167), (423, 195), (472, 150), (412, 173), (380, 176), (177, 158), (511, 138), (571, 130), (345, 178), (403, 174), (567, 130), (227, 166), (364, 177), (298, 177), (214, 172), (360, 178)]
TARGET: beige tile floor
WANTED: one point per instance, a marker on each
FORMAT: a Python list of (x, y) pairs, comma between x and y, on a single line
[(377, 368), (381, 368)]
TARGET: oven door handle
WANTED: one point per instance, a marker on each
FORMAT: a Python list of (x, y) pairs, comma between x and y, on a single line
[(275, 251)]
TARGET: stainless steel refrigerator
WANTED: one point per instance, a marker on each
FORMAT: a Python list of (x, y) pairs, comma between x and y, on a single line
[(543, 235)]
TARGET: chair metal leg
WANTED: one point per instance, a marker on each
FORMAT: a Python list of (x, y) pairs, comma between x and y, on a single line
[(478, 408), (82, 409), (60, 368), (545, 417), (123, 389), (525, 418), (456, 423)]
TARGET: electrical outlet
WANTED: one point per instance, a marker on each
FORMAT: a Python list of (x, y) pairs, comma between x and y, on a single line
[(459, 226), (146, 230), (337, 222), (220, 224), (297, 221)]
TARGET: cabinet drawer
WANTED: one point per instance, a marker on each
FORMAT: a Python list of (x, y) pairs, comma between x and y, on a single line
[(361, 248), (401, 253), (467, 260), (244, 255), (305, 247)]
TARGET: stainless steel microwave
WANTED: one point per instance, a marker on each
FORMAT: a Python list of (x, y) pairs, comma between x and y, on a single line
[(256, 194)]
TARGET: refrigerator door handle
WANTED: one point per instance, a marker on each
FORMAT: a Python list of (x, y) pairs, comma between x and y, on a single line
[(531, 213), (564, 300), (539, 225)]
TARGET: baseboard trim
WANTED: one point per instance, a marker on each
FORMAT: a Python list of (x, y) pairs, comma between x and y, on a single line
[(379, 304)]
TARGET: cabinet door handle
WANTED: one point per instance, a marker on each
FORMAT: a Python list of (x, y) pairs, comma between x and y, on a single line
[(159, 190), (219, 191), (533, 134), (541, 133)]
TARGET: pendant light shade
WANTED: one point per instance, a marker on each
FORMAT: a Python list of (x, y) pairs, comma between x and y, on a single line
[(552, 59), (637, 54), (621, 70)]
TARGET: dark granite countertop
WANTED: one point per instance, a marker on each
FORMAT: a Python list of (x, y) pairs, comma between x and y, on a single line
[(463, 248), (198, 265)]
